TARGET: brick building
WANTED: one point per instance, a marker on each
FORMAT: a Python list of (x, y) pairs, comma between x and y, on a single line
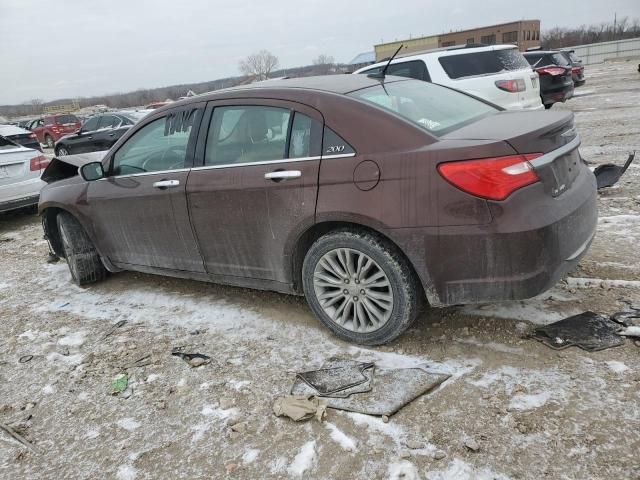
[(523, 33)]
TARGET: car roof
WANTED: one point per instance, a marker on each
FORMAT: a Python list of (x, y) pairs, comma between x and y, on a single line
[(533, 53), (340, 84), (12, 130), (441, 52)]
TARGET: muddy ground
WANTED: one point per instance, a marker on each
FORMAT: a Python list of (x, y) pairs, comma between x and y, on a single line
[(532, 412)]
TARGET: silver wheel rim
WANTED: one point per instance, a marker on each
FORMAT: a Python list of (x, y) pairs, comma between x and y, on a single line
[(62, 152), (353, 290)]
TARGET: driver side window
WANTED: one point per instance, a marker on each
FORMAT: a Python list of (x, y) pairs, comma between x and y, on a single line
[(158, 146)]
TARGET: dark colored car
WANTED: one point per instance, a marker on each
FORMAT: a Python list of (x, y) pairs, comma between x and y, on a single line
[(577, 68), (556, 81), (52, 128), (99, 132), (368, 196), (20, 136)]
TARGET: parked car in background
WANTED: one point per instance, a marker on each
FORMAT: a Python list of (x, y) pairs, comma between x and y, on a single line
[(556, 81), (20, 136), (99, 132), (497, 73), (367, 195), (577, 68), (20, 170), (50, 128)]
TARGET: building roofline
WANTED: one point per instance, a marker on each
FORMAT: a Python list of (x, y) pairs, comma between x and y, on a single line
[(459, 31)]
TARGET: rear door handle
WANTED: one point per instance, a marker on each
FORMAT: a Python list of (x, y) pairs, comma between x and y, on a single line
[(283, 175), (112, 134), (162, 184)]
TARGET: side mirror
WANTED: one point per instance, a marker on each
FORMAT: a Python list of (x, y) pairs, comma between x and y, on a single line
[(92, 171)]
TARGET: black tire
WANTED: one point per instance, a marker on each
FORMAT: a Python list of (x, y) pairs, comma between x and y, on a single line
[(49, 141), (62, 151), (408, 296), (83, 259), (547, 106)]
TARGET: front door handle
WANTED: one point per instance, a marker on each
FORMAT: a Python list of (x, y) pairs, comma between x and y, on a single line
[(283, 175), (162, 184)]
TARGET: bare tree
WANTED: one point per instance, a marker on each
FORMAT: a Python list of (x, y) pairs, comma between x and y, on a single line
[(259, 65), (323, 64), (559, 37), (36, 105)]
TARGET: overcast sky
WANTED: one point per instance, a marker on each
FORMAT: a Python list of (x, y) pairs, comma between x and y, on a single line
[(66, 48)]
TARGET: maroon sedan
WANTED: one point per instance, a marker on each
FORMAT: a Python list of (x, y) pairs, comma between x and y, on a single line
[(369, 196)]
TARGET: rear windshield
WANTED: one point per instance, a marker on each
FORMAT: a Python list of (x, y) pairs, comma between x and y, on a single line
[(437, 109), (574, 58), (482, 63), (560, 59), (62, 119)]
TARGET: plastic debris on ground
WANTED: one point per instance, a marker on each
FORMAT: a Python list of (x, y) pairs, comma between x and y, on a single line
[(608, 174), (300, 407), (384, 391), (193, 359), (589, 331), (119, 383)]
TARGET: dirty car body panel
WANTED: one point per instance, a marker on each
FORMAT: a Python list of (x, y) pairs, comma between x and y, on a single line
[(245, 216)]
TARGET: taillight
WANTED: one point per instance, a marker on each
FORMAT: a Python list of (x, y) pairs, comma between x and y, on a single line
[(491, 178), (38, 163), (512, 86), (553, 71), (575, 69)]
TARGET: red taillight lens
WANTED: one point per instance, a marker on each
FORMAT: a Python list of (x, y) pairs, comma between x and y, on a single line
[(553, 71), (576, 69), (38, 163), (491, 178), (512, 86)]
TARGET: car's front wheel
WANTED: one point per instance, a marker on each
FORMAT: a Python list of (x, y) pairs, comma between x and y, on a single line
[(361, 287), (83, 259), (48, 139)]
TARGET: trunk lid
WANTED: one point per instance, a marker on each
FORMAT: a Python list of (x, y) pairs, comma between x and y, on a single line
[(14, 164), (549, 133)]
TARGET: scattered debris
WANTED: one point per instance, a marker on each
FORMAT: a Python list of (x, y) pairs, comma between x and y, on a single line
[(300, 407), (471, 445), (141, 362), (119, 383), (25, 358), (608, 174), (589, 331), (391, 390), (339, 377), (16, 436), (66, 304), (116, 326), (439, 455), (633, 331), (627, 319), (193, 359)]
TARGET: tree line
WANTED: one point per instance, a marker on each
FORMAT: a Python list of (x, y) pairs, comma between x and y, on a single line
[(620, 29)]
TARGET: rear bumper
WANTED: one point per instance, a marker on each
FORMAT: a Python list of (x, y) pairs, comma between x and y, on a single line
[(533, 241), (20, 191), (560, 93), (5, 206)]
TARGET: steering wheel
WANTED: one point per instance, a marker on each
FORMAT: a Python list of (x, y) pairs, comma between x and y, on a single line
[(173, 150)]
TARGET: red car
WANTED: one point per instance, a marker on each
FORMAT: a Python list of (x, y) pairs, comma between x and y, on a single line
[(52, 128)]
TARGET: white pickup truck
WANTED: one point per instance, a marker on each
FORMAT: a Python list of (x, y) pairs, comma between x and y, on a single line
[(20, 170)]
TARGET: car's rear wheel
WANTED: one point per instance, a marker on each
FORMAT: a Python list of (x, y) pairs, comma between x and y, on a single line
[(62, 151), (360, 286), (83, 259), (547, 106), (49, 141)]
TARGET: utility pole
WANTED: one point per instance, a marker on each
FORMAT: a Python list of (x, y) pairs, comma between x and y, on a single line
[(615, 21)]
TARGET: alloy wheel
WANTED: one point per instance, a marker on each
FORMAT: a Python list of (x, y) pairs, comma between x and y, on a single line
[(353, 290), (62, 152)]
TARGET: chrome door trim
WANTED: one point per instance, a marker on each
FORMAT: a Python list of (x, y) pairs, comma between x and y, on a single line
[(269, 162)]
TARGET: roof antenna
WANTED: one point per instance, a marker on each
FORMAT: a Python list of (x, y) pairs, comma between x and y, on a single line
[(382, 72)]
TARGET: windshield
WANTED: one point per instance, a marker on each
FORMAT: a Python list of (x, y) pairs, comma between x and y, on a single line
[(437, 109)]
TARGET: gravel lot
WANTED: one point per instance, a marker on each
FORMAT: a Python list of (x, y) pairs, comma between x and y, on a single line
[(533, 412)]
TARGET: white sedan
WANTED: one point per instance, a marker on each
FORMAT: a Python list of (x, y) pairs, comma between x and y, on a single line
[(20, 170)]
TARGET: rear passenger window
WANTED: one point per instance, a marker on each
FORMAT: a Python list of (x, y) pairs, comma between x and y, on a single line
[(305, 137), (415, 69), (333, 144), (482, 63), (247, 134)]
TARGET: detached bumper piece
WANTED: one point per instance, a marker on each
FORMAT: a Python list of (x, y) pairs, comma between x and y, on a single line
[(589, 331), (608, 174)]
